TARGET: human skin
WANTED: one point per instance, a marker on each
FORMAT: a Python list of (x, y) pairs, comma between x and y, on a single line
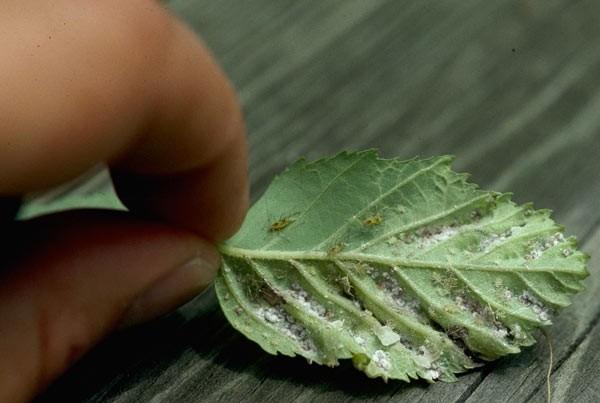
[(126, 84)]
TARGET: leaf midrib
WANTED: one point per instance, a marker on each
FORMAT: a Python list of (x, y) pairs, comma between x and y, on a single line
[(281, 255)]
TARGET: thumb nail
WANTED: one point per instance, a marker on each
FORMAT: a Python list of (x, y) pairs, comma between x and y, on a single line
[(173, 290)]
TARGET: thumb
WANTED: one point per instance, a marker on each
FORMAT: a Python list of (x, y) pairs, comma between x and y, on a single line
[(80, 275)]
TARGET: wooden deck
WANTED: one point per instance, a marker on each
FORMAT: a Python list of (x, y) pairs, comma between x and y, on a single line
[(512, 88)]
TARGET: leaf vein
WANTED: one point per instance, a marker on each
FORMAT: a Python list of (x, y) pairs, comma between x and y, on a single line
[(379, 198)]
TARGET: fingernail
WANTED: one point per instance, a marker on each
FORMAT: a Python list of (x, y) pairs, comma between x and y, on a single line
[(175, 289)]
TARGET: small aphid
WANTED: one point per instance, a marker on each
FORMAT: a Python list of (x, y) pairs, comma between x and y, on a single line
[(451, 308), (427, 232), (476, 215), (409, 238), (437, 278), (517, 332), (238, 310), (335, 249), (446, 282), (269, 295), (566, 252), (392, 241), (375, 219), (280, 224), (362, 268), (346, 285), (458, 334)]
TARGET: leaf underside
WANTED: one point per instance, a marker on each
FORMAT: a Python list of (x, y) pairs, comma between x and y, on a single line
[(402, 266)]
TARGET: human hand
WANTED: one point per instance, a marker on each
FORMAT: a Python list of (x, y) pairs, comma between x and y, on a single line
[(120, 82)]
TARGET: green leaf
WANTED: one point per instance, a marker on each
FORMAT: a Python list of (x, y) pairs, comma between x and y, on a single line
[(402, 266)]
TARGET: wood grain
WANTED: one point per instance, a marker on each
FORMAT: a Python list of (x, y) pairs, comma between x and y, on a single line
[(512, 88)]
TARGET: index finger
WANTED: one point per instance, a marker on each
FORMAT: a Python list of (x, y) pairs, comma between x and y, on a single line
[(127, 83)]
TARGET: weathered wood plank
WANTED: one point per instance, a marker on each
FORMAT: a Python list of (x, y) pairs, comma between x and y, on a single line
[(575, 379), (410, 78)]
